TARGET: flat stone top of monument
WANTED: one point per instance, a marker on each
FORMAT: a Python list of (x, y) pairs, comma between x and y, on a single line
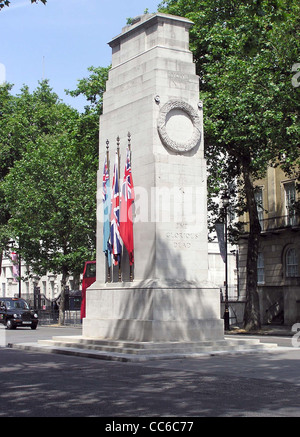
[(147, 20)]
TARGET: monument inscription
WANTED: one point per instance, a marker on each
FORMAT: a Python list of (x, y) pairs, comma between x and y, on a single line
[(183, 240)]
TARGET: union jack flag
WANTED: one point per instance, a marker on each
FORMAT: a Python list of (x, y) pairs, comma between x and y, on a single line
[(127, 198), (115, 217)]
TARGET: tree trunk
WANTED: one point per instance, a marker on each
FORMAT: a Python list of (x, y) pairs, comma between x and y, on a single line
[(62, 306), (252, 307), (76, 281)]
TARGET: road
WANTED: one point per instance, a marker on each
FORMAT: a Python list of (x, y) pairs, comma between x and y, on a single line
[(24, 335), (260, 384)]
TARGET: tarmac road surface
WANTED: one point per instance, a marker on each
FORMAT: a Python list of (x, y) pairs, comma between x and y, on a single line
[(260, 384)]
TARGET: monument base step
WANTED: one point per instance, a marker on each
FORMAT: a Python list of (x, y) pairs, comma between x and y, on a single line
[(142, 351)]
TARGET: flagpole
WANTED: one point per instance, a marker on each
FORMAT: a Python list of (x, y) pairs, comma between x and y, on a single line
[(108, 169), (118, 153), (107, 155), (129, 148)]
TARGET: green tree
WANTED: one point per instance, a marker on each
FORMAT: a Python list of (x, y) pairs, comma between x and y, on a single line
[(244, 53), (92, 88), (50, 190), (7, 107), (4, 3)]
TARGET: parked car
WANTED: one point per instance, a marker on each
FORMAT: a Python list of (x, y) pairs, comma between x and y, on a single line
[(16, 312)]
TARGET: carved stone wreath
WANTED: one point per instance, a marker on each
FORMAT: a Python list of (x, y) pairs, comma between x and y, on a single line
[(162, 128)]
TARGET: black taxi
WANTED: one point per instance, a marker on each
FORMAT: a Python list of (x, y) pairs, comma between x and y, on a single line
[(16, 312)]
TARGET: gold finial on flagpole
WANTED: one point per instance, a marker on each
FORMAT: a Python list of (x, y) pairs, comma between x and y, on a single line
[(129, 141)]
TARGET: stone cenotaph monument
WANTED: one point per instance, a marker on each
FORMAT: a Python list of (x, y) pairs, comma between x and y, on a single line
[(153, 93)]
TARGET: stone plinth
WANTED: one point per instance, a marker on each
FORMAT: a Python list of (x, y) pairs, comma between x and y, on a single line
[(154, 314)]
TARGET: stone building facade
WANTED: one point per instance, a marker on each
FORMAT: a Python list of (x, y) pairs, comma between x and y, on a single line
[(279, 252), (39, 291)]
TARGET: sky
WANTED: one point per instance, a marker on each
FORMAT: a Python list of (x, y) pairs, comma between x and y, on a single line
[(61, 40)]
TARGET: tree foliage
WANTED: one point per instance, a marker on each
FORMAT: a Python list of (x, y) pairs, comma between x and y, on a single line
[(48, 170), (244, 54), (48, 164), (92, 88), (4, 3)]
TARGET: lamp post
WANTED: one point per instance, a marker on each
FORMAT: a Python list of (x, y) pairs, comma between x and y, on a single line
[(226, 312)]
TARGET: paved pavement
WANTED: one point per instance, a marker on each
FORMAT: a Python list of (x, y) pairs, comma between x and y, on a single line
[(260, 384)]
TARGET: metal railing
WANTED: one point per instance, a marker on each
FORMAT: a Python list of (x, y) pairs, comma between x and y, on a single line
[(233, 293), (48, 310), (276, 223), (50, 317), (275, 313)]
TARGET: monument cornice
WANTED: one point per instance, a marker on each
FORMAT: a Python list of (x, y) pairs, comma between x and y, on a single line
[(150, 20)]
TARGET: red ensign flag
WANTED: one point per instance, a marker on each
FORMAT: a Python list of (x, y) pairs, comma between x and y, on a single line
[(127, 199)]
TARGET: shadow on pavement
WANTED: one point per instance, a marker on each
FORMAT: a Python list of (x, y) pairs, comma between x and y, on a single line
[(42, 385)]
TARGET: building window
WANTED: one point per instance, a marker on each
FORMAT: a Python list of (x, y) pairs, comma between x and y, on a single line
[(260, 205), (290, 198), (292, 263), (260, 268)]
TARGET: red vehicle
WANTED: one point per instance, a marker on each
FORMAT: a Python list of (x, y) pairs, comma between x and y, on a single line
[(89, 277)]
